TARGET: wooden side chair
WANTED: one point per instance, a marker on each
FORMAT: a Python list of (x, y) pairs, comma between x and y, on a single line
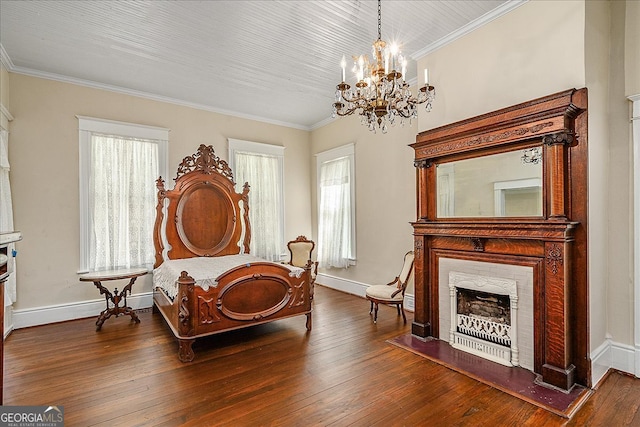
[(300, 251), (393, 292)]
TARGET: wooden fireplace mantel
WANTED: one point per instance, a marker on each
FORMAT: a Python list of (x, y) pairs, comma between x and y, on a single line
[(554, 245)]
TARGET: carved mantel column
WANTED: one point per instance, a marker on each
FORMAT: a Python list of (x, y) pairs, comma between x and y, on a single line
[(421, 183), (557, 368), (557, 169), (423, 294)]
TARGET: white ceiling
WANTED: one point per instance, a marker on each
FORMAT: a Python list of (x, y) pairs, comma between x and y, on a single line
[(276, 61)]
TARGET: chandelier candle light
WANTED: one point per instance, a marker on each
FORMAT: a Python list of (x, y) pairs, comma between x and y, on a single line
[(381, 94)]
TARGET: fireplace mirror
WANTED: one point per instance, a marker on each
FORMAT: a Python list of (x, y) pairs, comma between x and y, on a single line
[(507, 184)]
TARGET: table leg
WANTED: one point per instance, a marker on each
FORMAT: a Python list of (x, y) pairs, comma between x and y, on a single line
[(115, 299), (128, 310), (105, 314)]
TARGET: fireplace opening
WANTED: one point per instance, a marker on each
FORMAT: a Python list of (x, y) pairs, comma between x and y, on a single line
[(484, 315)]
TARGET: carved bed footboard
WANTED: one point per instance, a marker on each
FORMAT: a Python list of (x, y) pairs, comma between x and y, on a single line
[(245, 296)]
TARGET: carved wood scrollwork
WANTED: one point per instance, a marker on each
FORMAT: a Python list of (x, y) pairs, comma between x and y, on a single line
[(185, 319), (478, 244), (439, 149), (157, 242), (554, 258), (245, 205), (418, 247), (185, 350), (298, 295), (422, 163), (205, 160), (560, 138), (184, 315), (161, 190), (208, 311)]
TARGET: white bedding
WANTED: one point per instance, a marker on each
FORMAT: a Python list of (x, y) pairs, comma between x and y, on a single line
[(204, 270)]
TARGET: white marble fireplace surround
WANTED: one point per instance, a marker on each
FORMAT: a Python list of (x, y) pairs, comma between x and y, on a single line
[(524, 280)]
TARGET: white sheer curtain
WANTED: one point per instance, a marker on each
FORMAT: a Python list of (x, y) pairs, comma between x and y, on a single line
[(262, 173), (122, 195), (6, 214), (334, 222)]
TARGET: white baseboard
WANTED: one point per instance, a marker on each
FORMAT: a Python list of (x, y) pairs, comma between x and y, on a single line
[(600, 362), (623, 357), (409, 302), (612, 355), (77, 310), (8, 321), (637, 351), (355, 288), (344, 285)]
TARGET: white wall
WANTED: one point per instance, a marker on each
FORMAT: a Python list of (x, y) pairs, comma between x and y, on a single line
[(532, 51), (613, 43), (597, 41), (385, 201), (632, 85), (44, 177)]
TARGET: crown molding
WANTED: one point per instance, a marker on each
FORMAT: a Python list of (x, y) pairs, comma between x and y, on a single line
[(324, 122), (5, 112), (5, 60), (471, 26), (140, 94)]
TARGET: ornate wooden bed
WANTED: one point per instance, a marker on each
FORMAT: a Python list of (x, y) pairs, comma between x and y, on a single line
[(205, 282)]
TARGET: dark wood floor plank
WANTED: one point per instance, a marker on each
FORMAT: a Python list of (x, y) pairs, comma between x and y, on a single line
[(342, 373)]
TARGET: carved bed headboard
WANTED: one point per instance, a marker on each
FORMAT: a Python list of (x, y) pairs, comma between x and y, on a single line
[(203, 215)]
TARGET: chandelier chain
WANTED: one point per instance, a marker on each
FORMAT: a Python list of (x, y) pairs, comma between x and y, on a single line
[(379, 20)]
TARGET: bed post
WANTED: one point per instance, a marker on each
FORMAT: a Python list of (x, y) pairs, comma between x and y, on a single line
[(157, 227), (310, 282), (186, 311), (245, 218)]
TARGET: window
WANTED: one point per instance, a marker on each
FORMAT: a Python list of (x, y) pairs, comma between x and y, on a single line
[(336, 207), (119, 164), (261, 165)]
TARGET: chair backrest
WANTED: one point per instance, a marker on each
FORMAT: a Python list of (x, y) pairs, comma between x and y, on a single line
[(300, 250), (407, 267)]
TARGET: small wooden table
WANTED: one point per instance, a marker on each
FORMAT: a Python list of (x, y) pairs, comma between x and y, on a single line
[(116, 297)]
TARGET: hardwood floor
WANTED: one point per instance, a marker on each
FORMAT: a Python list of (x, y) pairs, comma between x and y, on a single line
[(342, 373)]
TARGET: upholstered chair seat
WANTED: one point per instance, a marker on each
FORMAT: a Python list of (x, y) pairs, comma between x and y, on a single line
[(393, 292), (385, 293)]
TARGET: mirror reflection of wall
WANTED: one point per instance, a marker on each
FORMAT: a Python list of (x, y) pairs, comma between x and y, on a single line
[(505, 184)]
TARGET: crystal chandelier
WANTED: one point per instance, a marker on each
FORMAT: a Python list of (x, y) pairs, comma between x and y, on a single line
[(381, 95)]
